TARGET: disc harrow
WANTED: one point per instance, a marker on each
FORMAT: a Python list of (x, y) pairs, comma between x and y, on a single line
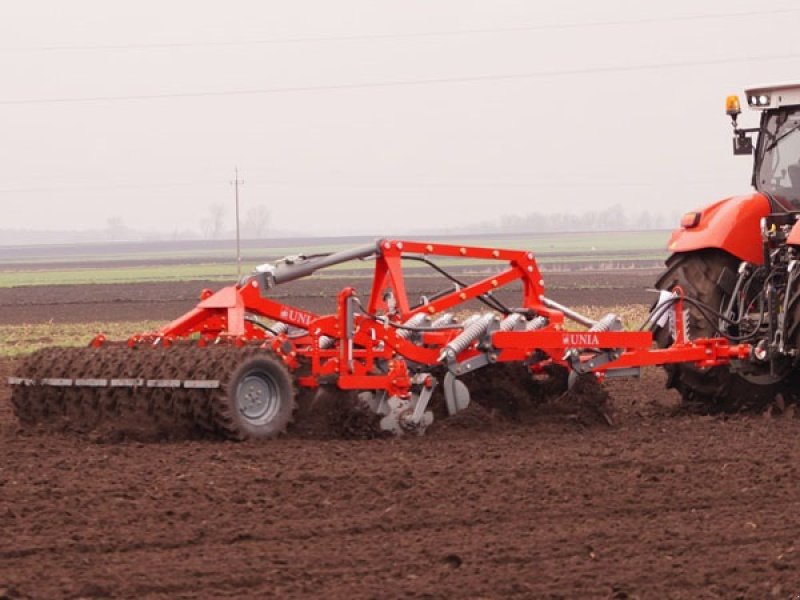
[(233, 365)]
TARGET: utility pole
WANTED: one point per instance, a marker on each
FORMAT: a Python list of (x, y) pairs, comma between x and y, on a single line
[(236, 183)]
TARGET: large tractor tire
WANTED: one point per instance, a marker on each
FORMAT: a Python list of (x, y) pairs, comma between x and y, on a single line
[(707, 275)]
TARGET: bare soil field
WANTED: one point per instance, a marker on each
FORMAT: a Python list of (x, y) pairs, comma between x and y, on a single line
[(157, 301), (657, 504)]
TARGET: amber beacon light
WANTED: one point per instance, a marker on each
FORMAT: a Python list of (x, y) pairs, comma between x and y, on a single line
[(732, 106)]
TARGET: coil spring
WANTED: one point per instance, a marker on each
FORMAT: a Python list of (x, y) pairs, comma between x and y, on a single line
[(415, 321), (444, 320), (510, 322), (536, 323), (280, 328), (471, 333), (470, 320), (610, 322)]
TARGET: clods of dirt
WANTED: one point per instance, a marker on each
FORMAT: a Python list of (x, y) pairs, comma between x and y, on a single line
[(588, 401), (473, 418), (331, 413), (510, 394)]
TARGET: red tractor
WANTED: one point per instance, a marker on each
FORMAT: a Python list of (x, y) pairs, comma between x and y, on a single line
[(738, 258)]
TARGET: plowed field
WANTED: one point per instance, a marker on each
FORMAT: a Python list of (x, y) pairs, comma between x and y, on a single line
[(136, 302), (660, 504)]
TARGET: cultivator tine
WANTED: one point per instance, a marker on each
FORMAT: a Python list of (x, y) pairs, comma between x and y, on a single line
[(456, 394), (410, 415)]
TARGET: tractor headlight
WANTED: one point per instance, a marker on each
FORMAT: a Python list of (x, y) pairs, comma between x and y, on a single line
[(758, 100)]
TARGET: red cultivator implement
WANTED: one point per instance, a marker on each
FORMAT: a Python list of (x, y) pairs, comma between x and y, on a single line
[(234, 364)]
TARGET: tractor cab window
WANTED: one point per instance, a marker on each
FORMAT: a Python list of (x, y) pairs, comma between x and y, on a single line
[(778, 159)]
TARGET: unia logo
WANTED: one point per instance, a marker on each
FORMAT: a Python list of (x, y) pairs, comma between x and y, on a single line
[(296, 316), (581, 340)]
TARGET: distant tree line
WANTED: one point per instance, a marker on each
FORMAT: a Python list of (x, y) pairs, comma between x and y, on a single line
[(256, 224), (613, 218)]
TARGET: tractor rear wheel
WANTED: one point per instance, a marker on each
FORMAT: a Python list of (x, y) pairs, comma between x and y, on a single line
[(701, 274)]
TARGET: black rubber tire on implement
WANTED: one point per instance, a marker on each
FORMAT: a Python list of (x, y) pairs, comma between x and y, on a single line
[(259, 399), (716, 389)]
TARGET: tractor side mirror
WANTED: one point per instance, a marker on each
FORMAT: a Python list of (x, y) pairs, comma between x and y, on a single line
[(742, 144)]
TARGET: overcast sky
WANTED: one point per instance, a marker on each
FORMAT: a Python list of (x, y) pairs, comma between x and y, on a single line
[(374, 116)]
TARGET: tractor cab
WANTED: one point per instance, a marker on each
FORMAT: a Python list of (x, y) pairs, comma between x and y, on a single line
[(776, 168)]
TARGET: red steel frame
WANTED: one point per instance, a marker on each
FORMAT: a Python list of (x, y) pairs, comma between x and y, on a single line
[(351, 363)]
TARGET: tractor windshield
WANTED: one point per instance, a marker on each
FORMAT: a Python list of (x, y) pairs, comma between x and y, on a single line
[(777, 169)]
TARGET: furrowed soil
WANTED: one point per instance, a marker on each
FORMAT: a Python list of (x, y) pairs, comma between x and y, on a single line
[(167, 300), (637, 500)]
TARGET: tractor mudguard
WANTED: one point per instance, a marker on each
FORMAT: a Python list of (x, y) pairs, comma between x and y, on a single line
[(732, 224)]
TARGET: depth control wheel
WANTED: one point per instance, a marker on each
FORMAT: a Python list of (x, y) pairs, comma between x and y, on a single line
[(260, 398)]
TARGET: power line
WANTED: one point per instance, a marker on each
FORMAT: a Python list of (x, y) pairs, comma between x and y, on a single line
[(364, 184), (480, 184), (106, 187), (402, 35), (401, 83)]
